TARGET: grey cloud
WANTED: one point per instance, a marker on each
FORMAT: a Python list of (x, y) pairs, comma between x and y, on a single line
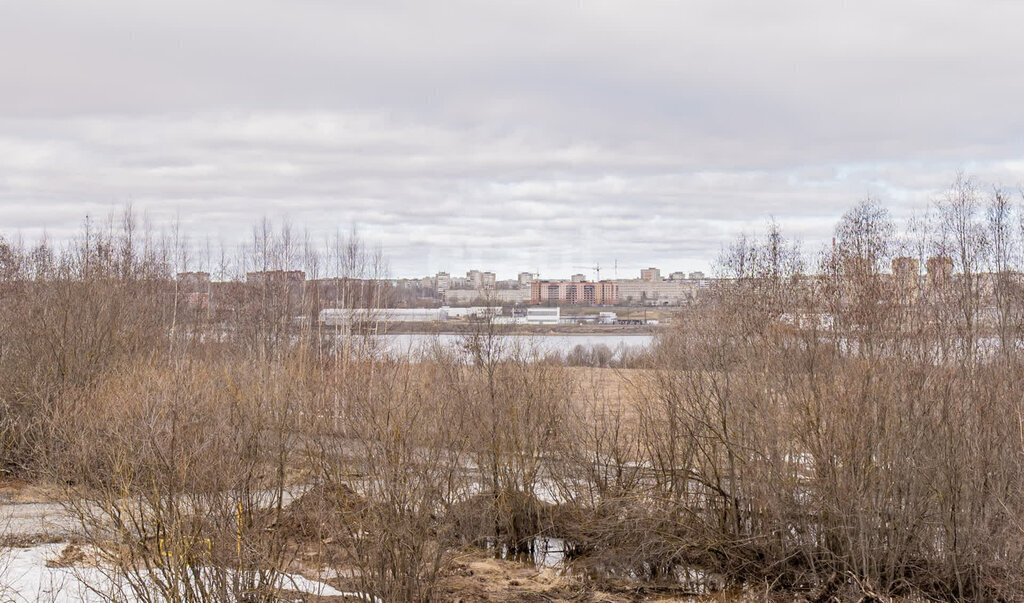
[(531, 134)]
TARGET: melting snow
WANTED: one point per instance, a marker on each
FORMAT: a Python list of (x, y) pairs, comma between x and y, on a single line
[(24, 576)]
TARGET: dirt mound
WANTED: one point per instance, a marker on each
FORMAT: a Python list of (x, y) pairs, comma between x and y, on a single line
[(324, 511), (511, 517)]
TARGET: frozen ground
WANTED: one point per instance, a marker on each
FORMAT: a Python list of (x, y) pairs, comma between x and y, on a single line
[(26, 576), (45, 521)]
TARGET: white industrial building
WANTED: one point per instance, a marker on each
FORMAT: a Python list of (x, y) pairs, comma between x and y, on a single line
[(473, 311), (543, 316)]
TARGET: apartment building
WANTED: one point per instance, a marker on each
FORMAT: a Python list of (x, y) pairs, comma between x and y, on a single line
[(443, 282), (586, 293), (650, 274), (657, 293)]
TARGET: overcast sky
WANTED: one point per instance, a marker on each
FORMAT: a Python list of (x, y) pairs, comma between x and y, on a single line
[(506, 136)]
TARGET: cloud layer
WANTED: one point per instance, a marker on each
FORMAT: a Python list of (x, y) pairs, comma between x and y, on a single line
[(516, 136)]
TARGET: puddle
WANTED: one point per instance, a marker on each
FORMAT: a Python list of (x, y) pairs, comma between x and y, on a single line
[(559, 554), (544, 552)]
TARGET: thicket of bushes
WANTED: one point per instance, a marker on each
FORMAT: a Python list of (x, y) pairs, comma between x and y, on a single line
[(826, 427)]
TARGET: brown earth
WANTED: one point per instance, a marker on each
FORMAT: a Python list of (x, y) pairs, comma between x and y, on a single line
[(14, 490)]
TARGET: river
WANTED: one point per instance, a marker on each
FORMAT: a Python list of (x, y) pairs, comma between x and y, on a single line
[(540, 345)]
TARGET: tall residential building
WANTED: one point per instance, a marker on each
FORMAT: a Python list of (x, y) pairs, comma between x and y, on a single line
[(195, 288), (905, 272), (940, 272), (475, 279), (194, 281), (650, 274), (275, 277), (488, 280), (443, 281), (525, 278), (637, 292), (573, 292), (857, 267)]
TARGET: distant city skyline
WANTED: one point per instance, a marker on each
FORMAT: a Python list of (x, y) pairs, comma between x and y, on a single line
[(532, 135)]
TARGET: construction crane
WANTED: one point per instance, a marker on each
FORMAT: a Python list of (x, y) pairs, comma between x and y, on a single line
[(596, 268)]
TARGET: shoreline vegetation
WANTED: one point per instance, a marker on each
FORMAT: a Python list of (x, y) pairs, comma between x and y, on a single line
[(839, 425)]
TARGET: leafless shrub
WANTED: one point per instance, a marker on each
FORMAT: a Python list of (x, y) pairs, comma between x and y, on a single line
[(845, 425), (391, 453), (68, 315), (799, 427), (177, 478)]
